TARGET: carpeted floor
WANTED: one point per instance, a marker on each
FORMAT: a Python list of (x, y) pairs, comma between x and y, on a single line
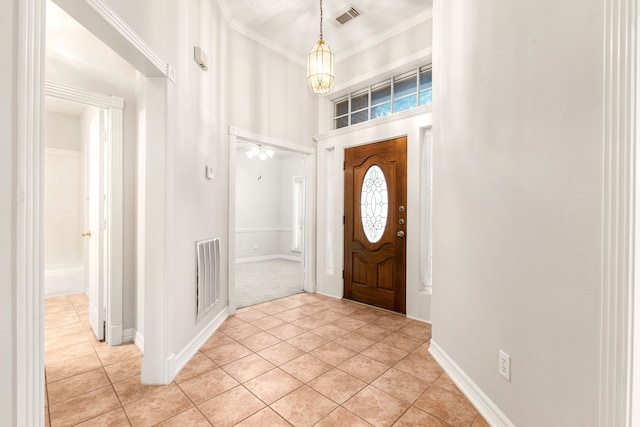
[(263, 281)]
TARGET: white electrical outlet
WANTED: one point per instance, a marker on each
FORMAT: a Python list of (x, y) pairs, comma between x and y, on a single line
[(504, 365)]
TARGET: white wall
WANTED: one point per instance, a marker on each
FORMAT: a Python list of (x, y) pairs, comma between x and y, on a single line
[(264, 205), (248, 86), (383, 56), (258, 192), (62, 131), (63, 201), (200, 206), (62, 207), (8, 101), (269, 94), (258, 206), (517, 201)]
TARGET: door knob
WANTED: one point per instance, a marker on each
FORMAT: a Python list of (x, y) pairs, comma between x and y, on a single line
[(86, 234), (400, 233)]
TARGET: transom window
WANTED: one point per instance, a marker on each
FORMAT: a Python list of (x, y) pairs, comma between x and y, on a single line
[(400, 93)]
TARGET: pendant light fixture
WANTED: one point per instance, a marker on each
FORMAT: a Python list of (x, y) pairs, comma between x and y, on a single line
[(320, 64)]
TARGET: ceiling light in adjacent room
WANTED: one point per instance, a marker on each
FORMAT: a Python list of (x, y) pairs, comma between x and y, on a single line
[(320, 64), (260, 152)]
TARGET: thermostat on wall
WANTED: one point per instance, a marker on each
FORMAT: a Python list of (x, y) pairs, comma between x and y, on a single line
[(201, 58)]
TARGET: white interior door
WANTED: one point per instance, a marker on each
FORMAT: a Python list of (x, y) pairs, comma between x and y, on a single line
[(95, 202)]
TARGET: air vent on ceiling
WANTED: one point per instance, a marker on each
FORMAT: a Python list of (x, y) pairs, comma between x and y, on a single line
[(348, 15)]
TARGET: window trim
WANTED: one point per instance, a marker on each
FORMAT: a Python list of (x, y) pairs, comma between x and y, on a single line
[(297, 232)]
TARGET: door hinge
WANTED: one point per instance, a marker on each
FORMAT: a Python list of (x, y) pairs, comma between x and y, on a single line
[(342, 274), (344, 165), (343, 220)]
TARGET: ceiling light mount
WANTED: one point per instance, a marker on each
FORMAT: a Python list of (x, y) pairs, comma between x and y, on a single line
[(320, 64), (260, 152)]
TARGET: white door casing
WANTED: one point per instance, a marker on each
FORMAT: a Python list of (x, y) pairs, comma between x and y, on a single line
[(101, 19), (155, 191)]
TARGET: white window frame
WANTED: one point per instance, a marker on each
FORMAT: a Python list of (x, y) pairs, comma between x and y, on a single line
[(297, 234), (414, 73)]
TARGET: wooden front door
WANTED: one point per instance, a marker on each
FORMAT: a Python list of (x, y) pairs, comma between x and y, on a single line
[(375, 202)]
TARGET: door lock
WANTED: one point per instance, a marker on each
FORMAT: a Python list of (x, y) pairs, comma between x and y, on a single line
[(86, 234), (400, 233)]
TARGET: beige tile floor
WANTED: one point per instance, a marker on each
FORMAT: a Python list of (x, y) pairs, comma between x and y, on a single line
[(304, 360)]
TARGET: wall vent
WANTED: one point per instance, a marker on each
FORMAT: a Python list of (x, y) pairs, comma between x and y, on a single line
[(207, 275), (347, 15)]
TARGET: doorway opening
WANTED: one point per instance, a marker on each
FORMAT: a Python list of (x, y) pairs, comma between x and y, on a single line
[(270, 223), (156, 75), (75, 193), (73, 87), (271, 203)]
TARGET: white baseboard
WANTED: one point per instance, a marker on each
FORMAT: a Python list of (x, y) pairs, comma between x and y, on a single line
[(485, 406), (328, 295), (131, 335), (290, 257), (116, 334), (418, 319), (312, 287), (128, 335), (267, 258), (190, 350)]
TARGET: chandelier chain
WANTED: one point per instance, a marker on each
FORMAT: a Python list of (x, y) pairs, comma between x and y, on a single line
[(321, 16)]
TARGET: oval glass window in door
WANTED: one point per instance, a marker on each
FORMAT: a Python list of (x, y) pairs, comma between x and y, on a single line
[(374, 204)]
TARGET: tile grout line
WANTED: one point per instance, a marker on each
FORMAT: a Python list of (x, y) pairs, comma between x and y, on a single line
[(102, 368), (318, 319), (338, 405), (190, 400)]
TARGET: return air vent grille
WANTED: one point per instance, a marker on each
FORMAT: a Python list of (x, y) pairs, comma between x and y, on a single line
[(348, 15), (208, 275)]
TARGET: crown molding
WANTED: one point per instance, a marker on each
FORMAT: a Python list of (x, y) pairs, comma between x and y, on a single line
[(402, 65), (339, 56), (391, 32), (268, 43)]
